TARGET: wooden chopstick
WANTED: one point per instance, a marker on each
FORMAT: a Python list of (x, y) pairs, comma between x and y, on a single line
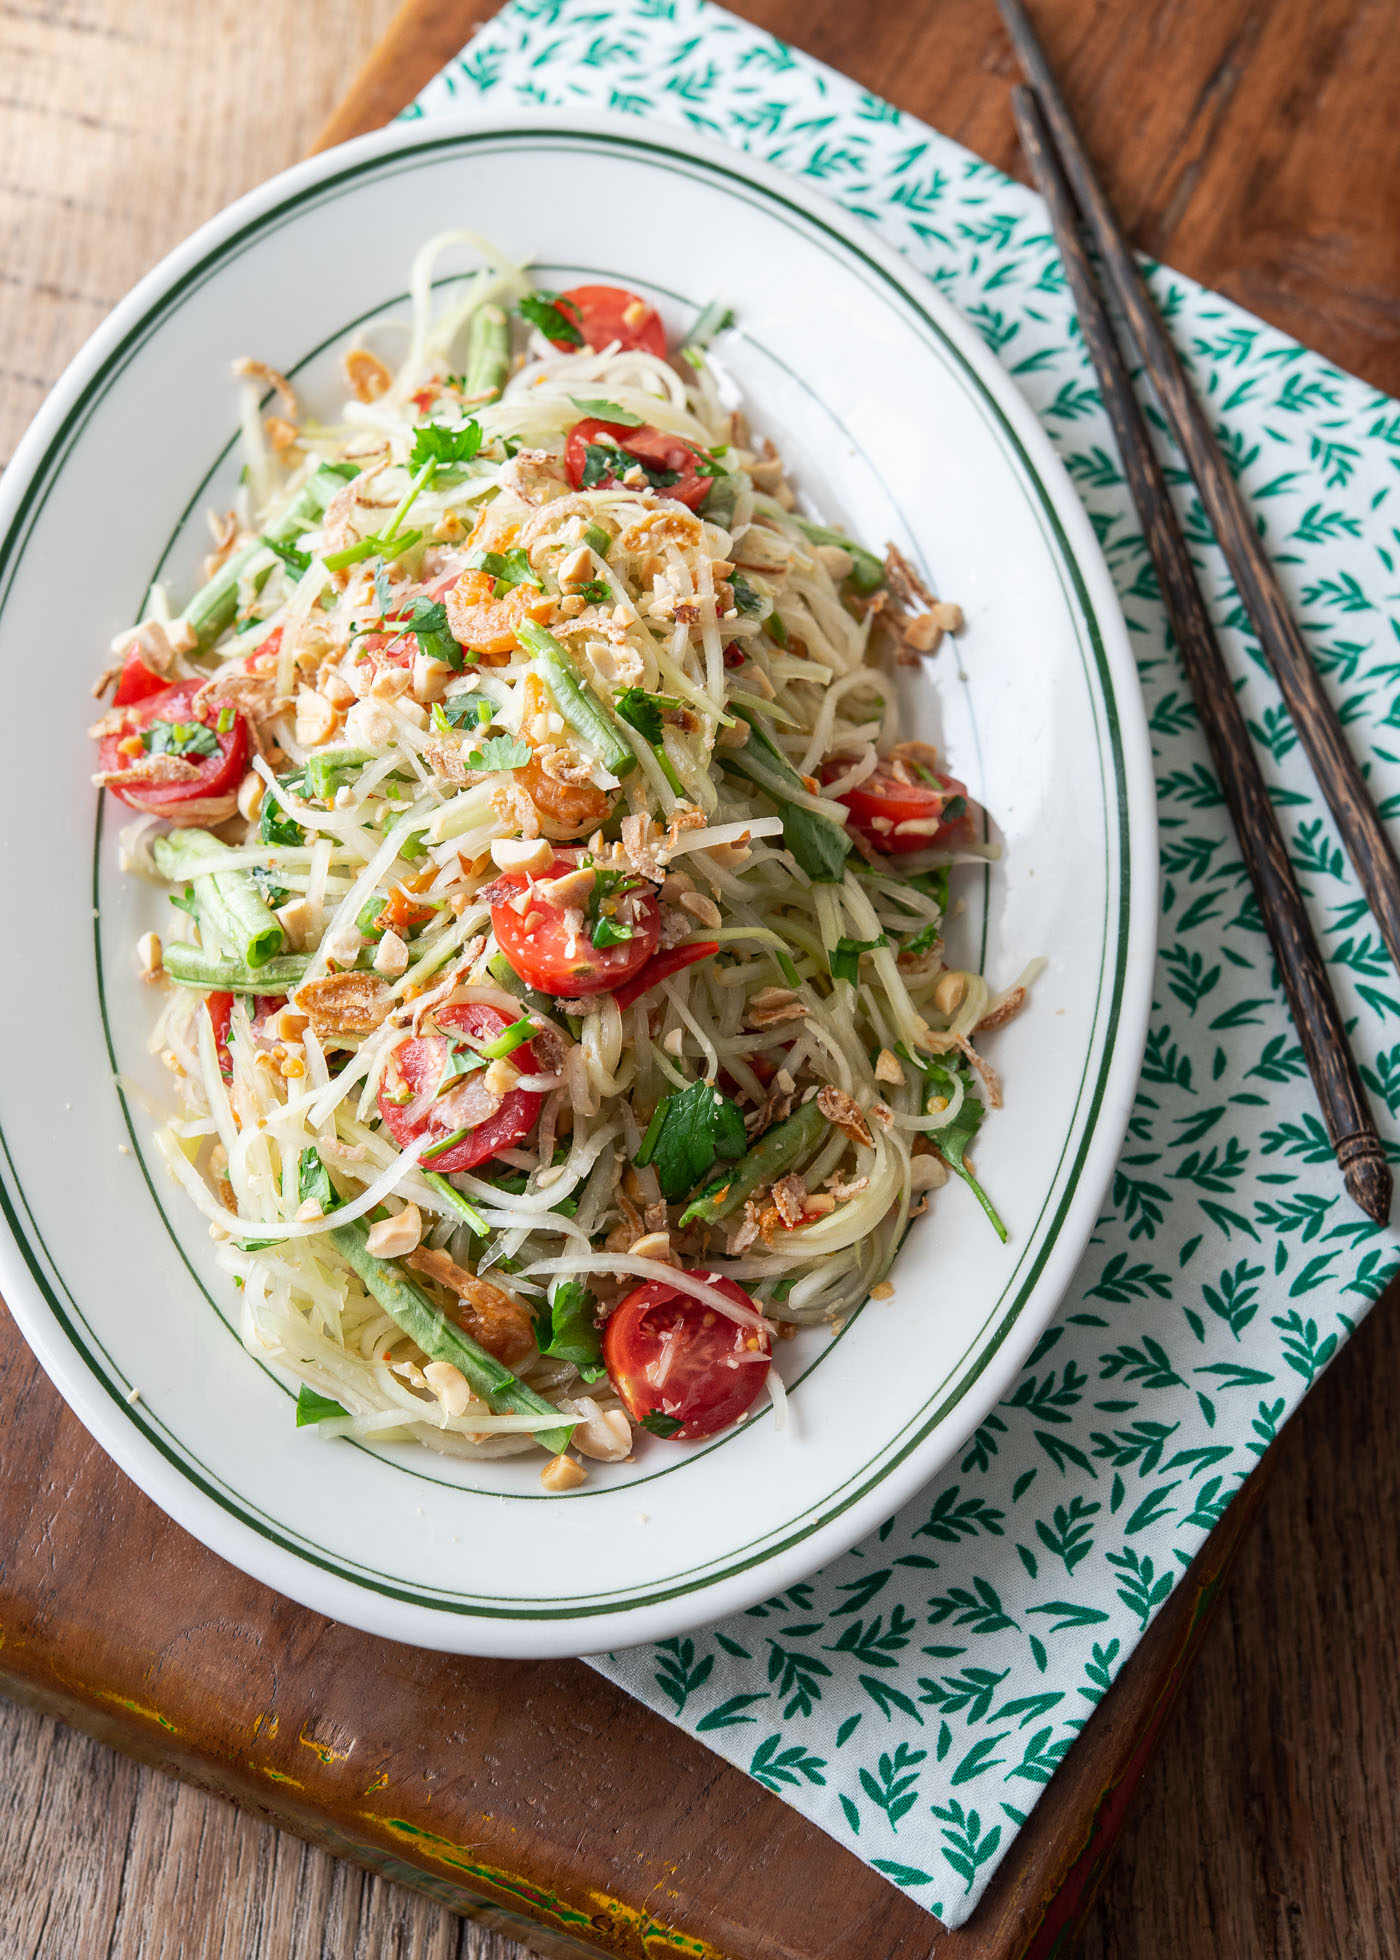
[(1359, 823), (1360, 1153)]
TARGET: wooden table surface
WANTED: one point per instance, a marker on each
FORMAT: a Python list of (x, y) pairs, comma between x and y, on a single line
[(1253, 143)]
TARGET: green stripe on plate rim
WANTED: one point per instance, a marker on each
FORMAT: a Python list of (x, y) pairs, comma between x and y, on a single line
[(31, 504)]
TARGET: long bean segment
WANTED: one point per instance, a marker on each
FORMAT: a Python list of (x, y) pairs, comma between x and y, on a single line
[(229, 901), (411, 1309), (574, 698), (215, 604), (195, 968), (488, 356), (776, 1151)]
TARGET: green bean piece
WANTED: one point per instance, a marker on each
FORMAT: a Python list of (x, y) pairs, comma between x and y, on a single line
[(214, 605), (488, 355), (192, 967), (573, 697), (326, 772), (776, 1151), (229, 900), (411, 1309), (867, 574)]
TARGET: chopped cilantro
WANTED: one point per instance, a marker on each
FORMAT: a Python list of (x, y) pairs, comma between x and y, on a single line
[(312, 1407), (313, 1181), (642, 711), (566, 1330), (184, 901), (466, 711), (608, 932), (295, 560), (274, 825), (443, 447), (427, 621), (541, 311), (500, 752), (388, 548), (660, 1424), (845, 957), (952, 1140), (595, 592), (269, 890), (688, 1131), (605, 411), (924, 940), (745, 598), (179, 738), (367, 919), (508, 568), (602, 461), (225, 721)]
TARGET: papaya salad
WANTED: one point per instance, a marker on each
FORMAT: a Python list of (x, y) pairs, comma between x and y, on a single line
[(554, 993)]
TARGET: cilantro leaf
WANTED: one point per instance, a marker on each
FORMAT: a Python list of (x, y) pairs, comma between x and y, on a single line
[(295, 561), (444, 447), (599, 463), (184, 902), (605, 411), (608, 932), (542, 312), (274, 825), (844, 959), (745, 598), (687, 1133), (508, 568), (467, 711), (312, 1407), (565, 1330), (658, 1423), (313, 1181), (179, 738), (269, 890), (595, 592), (952, 1140), (427, 621), (500, 752), (642, 711)]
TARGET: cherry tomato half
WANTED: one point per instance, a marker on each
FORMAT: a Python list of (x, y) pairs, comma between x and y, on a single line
[(220, 1007), (136, 681), (671, 1354), (468, 1105), (604, 314), (646, 445), (549, 956), (214, 776), (883, 804)]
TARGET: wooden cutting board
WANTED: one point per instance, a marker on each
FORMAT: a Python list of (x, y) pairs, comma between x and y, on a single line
[(535, 1795)]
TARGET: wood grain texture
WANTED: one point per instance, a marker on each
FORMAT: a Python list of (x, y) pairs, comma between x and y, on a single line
[(1261, 159)]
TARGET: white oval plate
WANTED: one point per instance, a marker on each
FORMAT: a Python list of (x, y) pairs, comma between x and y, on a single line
[(894, 419)]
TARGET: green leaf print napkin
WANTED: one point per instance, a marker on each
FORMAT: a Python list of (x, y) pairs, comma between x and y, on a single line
[(915, 1698)]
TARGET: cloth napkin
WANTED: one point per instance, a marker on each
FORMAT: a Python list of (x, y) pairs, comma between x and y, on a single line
[(915, 1698)]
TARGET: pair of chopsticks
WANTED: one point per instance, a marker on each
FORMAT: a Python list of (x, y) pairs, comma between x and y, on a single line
[(1077, 204)]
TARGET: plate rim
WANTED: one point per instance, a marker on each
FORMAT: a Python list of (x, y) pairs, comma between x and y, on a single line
[(171, 1483)]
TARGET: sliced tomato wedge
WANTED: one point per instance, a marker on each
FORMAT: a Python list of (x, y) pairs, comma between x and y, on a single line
[(466, 1104), (604, 314), (220, 1008), (214, 776), (136, 681), (675, 1359), (397, 647), (662, 965), (665, 455), (932, 812), (546, 951)]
